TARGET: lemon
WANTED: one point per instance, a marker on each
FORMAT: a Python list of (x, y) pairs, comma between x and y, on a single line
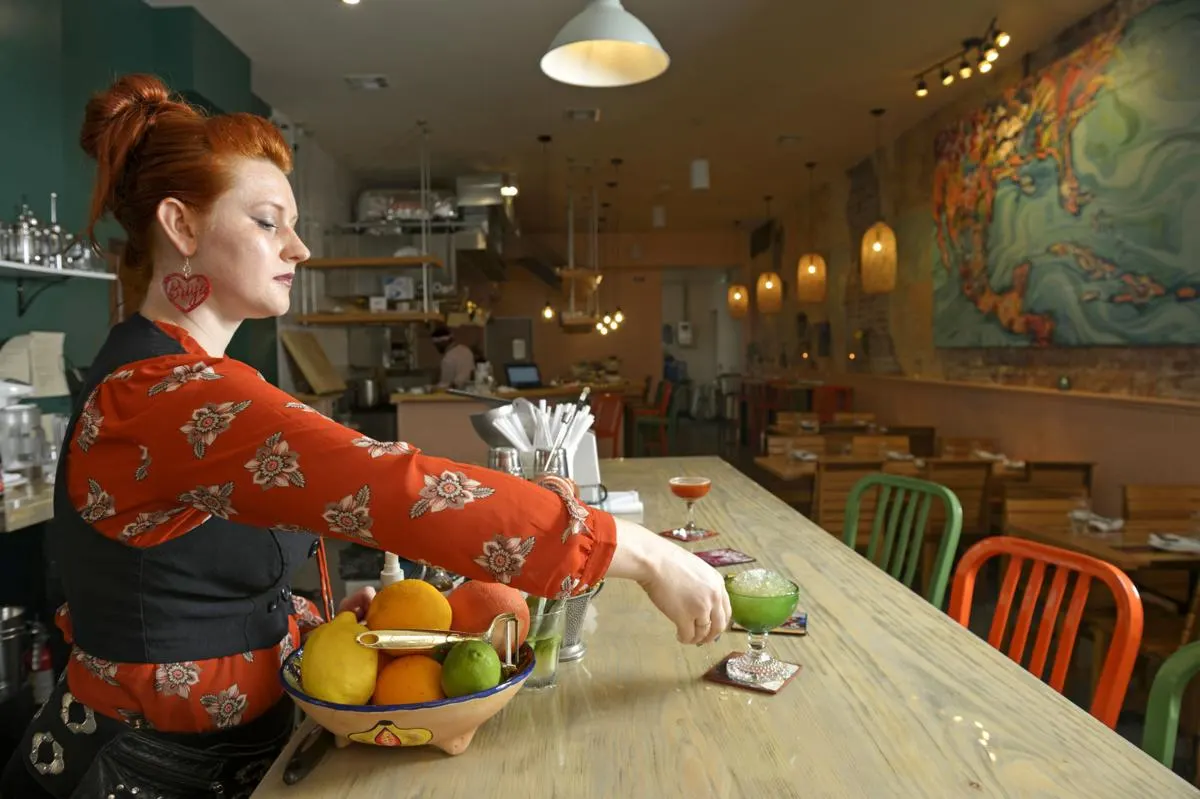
[(470, 667), (335, 667)]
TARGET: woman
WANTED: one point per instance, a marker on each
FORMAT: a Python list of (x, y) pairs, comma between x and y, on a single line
[(191, 489)]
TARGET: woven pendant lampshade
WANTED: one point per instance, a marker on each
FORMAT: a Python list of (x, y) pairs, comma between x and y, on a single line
[(879, 259), (738, 298), (810, 278), (769, 294)]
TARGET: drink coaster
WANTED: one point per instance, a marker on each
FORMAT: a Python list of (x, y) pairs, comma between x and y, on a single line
[(703, 534), (796, 625), (718, 674)]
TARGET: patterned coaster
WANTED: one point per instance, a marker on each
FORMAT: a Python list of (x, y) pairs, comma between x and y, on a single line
[(724, 557), (718, 674)]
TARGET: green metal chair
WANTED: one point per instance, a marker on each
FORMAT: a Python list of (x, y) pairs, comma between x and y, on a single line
[(1166, 695), (904, 504)]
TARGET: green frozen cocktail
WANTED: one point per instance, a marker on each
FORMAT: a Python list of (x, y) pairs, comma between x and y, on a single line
[(761, 600)]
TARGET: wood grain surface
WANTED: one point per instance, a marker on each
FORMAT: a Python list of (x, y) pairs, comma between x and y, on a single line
[(894, 699)]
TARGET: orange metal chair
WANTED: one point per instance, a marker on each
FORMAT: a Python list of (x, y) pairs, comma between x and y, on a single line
[(1127, 635), (609, 410)]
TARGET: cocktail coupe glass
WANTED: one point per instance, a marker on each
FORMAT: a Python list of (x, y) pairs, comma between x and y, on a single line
[(761, 600), (691, 490)]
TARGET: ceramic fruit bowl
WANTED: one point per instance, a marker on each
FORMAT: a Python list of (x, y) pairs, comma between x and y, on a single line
[(448, 724)]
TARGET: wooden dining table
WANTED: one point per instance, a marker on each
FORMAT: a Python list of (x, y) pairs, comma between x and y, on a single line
[(1128, 549), (894, 699)]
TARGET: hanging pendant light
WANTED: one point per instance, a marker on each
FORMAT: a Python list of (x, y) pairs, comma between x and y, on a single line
[(877, 256), (605, 46), (810, 271), (548, 312), (738, 298), (619, 315), (769, 294)]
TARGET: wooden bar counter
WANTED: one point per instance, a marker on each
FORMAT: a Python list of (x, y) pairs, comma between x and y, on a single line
[(440, 423), (894, 698)]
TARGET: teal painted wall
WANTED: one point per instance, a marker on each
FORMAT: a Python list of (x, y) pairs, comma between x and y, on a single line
[(64, 51)]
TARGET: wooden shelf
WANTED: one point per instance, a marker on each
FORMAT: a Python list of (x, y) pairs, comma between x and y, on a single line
[(372, 263), (368, 318), (30, 272)]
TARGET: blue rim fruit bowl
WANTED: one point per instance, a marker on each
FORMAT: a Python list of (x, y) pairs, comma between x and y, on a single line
[(448, 724)]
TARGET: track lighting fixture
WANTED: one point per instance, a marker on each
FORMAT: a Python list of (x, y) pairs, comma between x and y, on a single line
[(978, 54)]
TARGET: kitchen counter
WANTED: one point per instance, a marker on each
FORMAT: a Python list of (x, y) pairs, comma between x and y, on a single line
[(894, 699), (546, 392), (26, 505), (440, 423)]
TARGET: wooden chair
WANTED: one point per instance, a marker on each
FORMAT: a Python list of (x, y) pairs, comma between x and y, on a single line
[(905, 503), (1166, 697), (1062, 564), (1038, 513), (609, 410), (832, 488), (1161, 501), (876, 446), (795, 421), (969, 482), (848, 417), (665, 424), (830, 400)]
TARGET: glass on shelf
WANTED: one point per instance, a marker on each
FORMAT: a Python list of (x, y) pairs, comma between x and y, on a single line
[(691, 490), (761, 600)]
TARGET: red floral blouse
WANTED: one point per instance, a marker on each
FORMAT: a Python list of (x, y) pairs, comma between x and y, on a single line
[(165, 443)]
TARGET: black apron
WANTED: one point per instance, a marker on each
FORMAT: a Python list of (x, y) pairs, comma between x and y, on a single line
[(229, 581)]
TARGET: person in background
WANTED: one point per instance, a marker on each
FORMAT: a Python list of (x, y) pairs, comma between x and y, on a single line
[(458, 362), (189, 489)]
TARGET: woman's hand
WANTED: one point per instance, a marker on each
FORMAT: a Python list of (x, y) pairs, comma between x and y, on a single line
[(684, 588), (358, 602)]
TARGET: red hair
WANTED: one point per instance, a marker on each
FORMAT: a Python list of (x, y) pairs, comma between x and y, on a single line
[(149, 146)]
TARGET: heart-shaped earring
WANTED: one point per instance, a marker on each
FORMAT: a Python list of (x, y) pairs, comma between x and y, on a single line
[(185, 290)]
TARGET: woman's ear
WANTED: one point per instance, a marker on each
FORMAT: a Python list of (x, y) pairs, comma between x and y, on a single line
[(179, 225)]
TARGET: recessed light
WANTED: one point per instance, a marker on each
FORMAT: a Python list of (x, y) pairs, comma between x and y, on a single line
[(582, 114)]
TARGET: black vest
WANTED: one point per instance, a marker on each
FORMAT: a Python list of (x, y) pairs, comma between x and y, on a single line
[(218, 590)]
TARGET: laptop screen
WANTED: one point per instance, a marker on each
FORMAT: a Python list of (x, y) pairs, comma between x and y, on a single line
[(521, 375)]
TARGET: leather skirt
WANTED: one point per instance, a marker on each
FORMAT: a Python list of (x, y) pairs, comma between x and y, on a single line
[(72, 752)]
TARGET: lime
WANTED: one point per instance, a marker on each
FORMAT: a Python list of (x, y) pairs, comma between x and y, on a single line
[(470, 667)]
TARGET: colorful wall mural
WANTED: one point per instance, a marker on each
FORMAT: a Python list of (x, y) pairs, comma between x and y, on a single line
[(1067, 211)]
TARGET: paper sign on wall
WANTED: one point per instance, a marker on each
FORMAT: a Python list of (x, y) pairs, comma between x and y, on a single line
[(518, 349)]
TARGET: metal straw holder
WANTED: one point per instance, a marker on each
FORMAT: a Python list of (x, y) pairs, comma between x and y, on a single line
[(505, 459), (573, 646)]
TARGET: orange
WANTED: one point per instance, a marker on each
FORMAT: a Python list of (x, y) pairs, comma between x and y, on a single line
[(476, 603), (409, 605), (409, 680)]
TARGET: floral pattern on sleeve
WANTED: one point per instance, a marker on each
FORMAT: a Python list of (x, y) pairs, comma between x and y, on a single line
[(169, 442)]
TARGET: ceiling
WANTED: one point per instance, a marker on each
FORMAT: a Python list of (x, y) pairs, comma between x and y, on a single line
[(742, 74)]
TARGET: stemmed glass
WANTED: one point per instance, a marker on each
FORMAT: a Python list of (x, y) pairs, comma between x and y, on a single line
[(761, 600), (691, 490)]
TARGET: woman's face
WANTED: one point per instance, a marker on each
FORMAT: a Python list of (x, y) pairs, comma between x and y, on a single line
[(248, 246)]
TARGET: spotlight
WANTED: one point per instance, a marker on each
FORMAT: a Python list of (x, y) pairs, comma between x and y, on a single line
[(947, 77), (608, 319), (922, 88), (964, 69), (1002, 39), (508, 191), (603, 330), (991, 54), (985, 66), (618, 317)]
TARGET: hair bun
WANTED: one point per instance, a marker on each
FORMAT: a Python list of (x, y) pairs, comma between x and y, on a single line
[(119, 116)]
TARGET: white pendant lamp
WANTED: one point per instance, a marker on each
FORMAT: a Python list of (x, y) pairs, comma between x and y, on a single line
[(605, 46)]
